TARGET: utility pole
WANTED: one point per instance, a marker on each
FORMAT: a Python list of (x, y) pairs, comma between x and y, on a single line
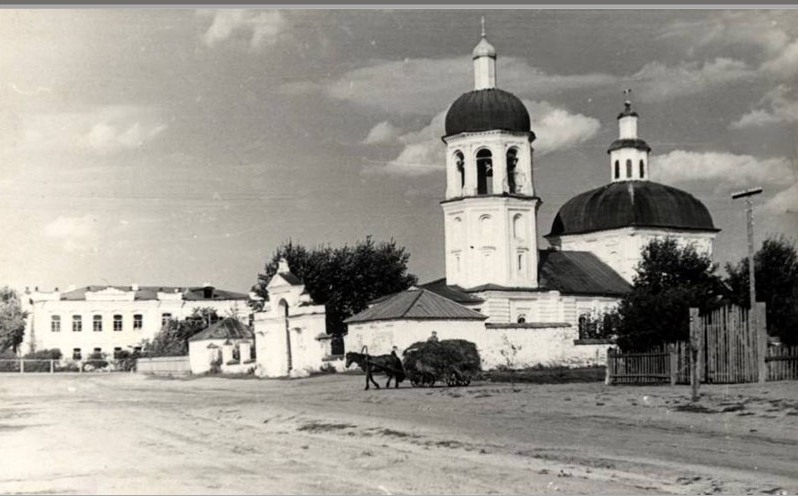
[(752, 311)]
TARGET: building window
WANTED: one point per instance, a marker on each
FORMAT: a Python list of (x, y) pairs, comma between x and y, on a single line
[(137, 349), (643, 171), (117, 323), (76, 355), (617, 170), (138, 322), (165, 318), (629, 169), (117, 352), (512, 161), (55, 323), (521, 319), (484, 172), (97, 323), (97, 351), (77, 323)]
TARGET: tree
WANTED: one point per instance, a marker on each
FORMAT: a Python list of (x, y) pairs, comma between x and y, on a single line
[(669, 280), (344, 279), (172, 339), (12, 320), (776, 269)]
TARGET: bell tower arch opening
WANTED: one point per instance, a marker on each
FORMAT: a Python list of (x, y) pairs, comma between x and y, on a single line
[(484, 172)]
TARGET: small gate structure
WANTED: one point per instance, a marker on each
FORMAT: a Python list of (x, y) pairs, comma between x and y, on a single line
[(729, 348)]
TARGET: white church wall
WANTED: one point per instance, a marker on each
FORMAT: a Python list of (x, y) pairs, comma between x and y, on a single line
[(621, 248), (546, 346)]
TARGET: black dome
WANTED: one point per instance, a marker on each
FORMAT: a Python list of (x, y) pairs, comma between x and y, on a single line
[(486, 110), (632, 203)]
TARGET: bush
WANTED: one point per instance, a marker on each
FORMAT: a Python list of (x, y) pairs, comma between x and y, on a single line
[(53, 354), (126, 361), (95, 361)]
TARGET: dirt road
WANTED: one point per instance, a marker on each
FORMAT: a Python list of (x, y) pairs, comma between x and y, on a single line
[(131, 434)]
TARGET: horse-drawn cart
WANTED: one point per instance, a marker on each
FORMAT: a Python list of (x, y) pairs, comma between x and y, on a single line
[(453, 361)]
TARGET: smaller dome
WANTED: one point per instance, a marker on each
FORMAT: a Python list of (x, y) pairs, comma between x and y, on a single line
[(487, 110), (629, 143), (484, 49)]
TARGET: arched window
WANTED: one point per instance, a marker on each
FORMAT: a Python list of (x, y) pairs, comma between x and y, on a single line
[(484, 172), (521, 318), (459, 160), (628, 169), (642, 170), (512, 161), (617, 170)]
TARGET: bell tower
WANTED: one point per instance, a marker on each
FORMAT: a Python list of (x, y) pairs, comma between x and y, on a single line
[(490, 208)]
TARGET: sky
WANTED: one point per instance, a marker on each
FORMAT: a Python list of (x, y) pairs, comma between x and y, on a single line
[(182, 146)]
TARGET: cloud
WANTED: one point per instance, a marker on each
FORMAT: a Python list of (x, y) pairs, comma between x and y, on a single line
[(782, 107), (104, 138), (784, 202), (76, 233), (785, 64), (724, 170), (382, 133), (766, 29), (260, 27), (658, 82), (99, 130), (557, 129), (414, 86), (423, 153)]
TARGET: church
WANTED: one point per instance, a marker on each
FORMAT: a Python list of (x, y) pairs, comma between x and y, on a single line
[(504, 291)]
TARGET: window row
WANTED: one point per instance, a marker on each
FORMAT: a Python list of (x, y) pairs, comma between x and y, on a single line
[(77, 353), (641, 169), (97, 322), (485, 171)]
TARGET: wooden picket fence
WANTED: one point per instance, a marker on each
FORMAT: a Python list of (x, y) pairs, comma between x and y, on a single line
[(663, 365), (728, 352), (782, 363)]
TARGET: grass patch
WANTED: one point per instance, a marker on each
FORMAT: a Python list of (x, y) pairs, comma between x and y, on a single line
[(549, 375)]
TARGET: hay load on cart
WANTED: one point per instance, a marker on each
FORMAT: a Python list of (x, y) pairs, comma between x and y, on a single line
[(453, 361)]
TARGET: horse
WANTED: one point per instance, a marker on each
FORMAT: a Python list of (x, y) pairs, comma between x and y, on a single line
[(390, 365)]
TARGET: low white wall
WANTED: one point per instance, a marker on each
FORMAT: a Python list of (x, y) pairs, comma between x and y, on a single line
[(164, 365), (547, 346)]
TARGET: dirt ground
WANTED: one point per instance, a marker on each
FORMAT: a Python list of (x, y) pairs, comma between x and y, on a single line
[(126, 433)]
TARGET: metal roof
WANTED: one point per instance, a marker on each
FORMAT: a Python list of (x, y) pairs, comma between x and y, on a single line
[(579, 272), (569, 272), (416, 304), (454, 293), (229, 328), (151, 293), (632, 204), (486, 110)]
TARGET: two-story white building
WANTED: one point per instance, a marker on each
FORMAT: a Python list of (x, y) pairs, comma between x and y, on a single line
[(110, 319)]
